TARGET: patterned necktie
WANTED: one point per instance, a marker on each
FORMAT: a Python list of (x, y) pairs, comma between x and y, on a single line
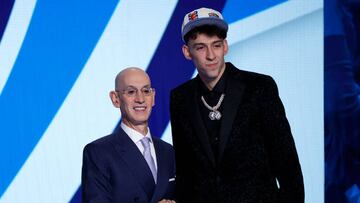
[(147, 155)]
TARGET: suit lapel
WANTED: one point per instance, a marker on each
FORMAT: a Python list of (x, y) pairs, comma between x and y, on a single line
[(162, 176), (233, 97), (197, 123), (135, 162)]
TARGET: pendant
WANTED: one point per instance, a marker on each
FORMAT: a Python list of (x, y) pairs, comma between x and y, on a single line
[(214, 115)]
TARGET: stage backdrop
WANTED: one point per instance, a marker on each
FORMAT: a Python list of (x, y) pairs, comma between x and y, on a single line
[(58, 60)]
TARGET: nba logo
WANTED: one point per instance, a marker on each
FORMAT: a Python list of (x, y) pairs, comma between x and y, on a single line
[(193, 15)]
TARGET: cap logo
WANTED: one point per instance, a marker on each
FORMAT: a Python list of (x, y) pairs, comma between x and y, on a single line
[(193, 15), (214, 15)]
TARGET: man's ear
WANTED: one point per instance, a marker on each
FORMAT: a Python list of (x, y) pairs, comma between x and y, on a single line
[(115, 99), (226, 47), (186, 52)]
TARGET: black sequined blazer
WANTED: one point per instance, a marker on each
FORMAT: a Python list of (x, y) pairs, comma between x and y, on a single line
[(257, 159)]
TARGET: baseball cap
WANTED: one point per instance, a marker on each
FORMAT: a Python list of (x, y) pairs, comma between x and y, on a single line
[(202, 16)]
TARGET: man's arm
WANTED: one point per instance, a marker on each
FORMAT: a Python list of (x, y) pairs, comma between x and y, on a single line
[(170, 191), (180, 152), (170, 196), (94, 182), (280, 145)]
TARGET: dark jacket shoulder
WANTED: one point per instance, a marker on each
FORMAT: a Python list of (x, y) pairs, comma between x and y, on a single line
[(102, 141), (247, 77)]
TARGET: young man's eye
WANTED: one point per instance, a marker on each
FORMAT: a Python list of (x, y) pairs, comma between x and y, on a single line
[(199, 48), (218, 45)]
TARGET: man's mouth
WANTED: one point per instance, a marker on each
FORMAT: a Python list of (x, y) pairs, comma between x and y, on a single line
[(139, 108), (211, 65)]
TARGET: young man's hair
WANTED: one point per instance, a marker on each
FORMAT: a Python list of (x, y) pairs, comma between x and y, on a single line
[(209, 30)]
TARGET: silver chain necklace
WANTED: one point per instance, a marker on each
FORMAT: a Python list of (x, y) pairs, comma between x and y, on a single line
[(214, 113)]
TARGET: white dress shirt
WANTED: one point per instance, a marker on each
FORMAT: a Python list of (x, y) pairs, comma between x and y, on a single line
[(135, 136)]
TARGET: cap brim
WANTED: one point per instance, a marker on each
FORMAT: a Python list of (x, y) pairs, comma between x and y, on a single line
[(204, 21)]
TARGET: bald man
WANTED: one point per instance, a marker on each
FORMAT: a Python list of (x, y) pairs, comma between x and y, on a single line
[(129, 165)]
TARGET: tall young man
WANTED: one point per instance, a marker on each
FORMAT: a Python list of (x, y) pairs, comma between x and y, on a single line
[(231, 137)]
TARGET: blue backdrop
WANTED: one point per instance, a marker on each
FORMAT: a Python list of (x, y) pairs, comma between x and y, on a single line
[(58, 60)]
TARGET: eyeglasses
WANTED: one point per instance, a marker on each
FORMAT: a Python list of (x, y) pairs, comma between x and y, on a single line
[(132, 92)]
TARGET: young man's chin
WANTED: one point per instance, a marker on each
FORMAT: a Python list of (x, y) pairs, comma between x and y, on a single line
[(210, 76)]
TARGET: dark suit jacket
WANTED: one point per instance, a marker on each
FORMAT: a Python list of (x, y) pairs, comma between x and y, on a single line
[(256, 146), (114, 170)]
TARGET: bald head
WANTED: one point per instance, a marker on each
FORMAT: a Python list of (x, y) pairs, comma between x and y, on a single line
[(135, 98), (123, 76)]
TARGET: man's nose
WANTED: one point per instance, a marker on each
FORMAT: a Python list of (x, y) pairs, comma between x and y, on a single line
[(210, 55), (139, 97)]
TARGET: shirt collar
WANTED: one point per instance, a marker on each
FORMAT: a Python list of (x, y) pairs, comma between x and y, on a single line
[(134, 135)]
